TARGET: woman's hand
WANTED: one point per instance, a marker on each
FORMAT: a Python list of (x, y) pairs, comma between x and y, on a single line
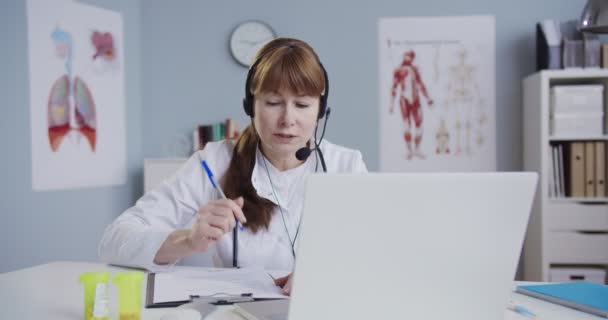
[(212, 221), (285, 283)]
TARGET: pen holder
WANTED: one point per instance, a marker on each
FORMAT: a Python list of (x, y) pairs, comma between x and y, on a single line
[(95, 295), (129, 294)]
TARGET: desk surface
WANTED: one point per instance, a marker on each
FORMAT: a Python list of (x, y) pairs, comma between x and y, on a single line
[(51, 291)]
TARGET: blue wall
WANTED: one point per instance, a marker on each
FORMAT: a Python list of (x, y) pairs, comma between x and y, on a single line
[(179, 73)]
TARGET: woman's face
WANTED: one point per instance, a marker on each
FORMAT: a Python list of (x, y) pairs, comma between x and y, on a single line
[(284, 121)]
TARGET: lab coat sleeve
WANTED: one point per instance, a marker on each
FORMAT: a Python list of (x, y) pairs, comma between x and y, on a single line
[(136, 235), (358, 165)]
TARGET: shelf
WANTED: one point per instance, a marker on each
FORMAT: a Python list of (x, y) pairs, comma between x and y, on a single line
[(581, 138), (579, 200), (575, 73)]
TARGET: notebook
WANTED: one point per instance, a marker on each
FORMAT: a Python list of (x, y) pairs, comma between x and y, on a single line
[(585, 296), (430, 246)]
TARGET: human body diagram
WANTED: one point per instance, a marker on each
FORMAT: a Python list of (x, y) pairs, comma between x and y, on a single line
[(407, 87)]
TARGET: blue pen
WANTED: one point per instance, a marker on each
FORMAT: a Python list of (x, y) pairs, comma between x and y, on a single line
[(235, 234), (217, 187), (521, 310)]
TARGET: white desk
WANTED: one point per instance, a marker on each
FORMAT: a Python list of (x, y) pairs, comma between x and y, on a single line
[(51, 291)]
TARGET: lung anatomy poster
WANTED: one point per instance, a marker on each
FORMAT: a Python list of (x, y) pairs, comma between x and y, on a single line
[(77, 108), (437, 94)]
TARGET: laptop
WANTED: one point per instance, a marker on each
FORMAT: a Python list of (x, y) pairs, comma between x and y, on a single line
[(418, 246)]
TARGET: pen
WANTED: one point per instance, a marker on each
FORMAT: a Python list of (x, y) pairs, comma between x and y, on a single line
[(521, 310), (235, 237), (217, 187), (271, 277)]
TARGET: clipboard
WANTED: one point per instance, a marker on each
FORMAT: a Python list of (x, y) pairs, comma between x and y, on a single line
[(150, 296), (219, 299)]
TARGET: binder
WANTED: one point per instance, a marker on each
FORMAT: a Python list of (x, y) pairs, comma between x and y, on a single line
[(561, 168), (576, 168), (585, 296), (553, 172), (600, 169), (589, 169)]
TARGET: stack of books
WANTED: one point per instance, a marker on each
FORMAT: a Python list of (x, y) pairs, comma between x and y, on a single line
[(229, 129)]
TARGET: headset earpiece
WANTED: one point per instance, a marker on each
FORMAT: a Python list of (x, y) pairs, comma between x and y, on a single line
[(323, 98)]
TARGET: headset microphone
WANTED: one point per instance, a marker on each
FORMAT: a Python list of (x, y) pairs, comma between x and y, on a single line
[(303, 153)]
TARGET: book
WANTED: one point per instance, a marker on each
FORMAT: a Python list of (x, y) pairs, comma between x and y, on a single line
[(553, 172), (584, 296), (228, 129), (600, 169), (577, 169), (560, 170), (589, 169)]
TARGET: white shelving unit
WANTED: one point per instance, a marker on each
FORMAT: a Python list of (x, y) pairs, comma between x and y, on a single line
[(157, 170), (562, 231)]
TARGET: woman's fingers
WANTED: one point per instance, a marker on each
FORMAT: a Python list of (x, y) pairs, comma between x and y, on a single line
[(226, 223), (287, 286), (235, 207), (202, 235), (282, 280), (214, 220), (285, 283)]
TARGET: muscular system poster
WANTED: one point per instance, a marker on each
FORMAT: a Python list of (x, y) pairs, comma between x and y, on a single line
[(437, 94)]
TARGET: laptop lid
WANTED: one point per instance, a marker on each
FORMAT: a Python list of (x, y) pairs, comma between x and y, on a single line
[(422, 246)]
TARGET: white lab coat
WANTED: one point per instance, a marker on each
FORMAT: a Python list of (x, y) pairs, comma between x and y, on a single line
[(136, 235)]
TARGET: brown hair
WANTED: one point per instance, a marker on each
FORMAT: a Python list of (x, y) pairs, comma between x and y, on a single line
[(284, 64)]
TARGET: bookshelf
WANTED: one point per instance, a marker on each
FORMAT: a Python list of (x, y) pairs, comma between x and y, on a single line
[(563, 230)]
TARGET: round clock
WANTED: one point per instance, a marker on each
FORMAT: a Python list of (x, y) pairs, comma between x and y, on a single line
[(247, 38)]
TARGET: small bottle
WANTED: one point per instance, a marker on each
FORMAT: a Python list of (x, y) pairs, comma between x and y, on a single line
[(129, 294), (95, 295)]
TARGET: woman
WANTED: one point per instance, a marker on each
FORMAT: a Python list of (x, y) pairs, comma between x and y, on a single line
[(286, 95)]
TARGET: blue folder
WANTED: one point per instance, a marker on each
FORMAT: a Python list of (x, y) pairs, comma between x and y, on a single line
[(585, 296)]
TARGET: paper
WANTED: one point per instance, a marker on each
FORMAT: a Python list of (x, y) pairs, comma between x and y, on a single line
[(179, 285)]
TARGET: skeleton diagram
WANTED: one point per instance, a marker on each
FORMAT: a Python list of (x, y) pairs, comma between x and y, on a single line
[(443, 138), (407, 80), (464, 96)]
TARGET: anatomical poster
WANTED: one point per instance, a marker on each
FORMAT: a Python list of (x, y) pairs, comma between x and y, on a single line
[(77, 98), (437, 94)]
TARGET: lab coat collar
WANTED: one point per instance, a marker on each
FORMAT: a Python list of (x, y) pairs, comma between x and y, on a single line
[(260, 180)]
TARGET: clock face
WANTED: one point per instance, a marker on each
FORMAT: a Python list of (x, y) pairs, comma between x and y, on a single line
[(247, 39)]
